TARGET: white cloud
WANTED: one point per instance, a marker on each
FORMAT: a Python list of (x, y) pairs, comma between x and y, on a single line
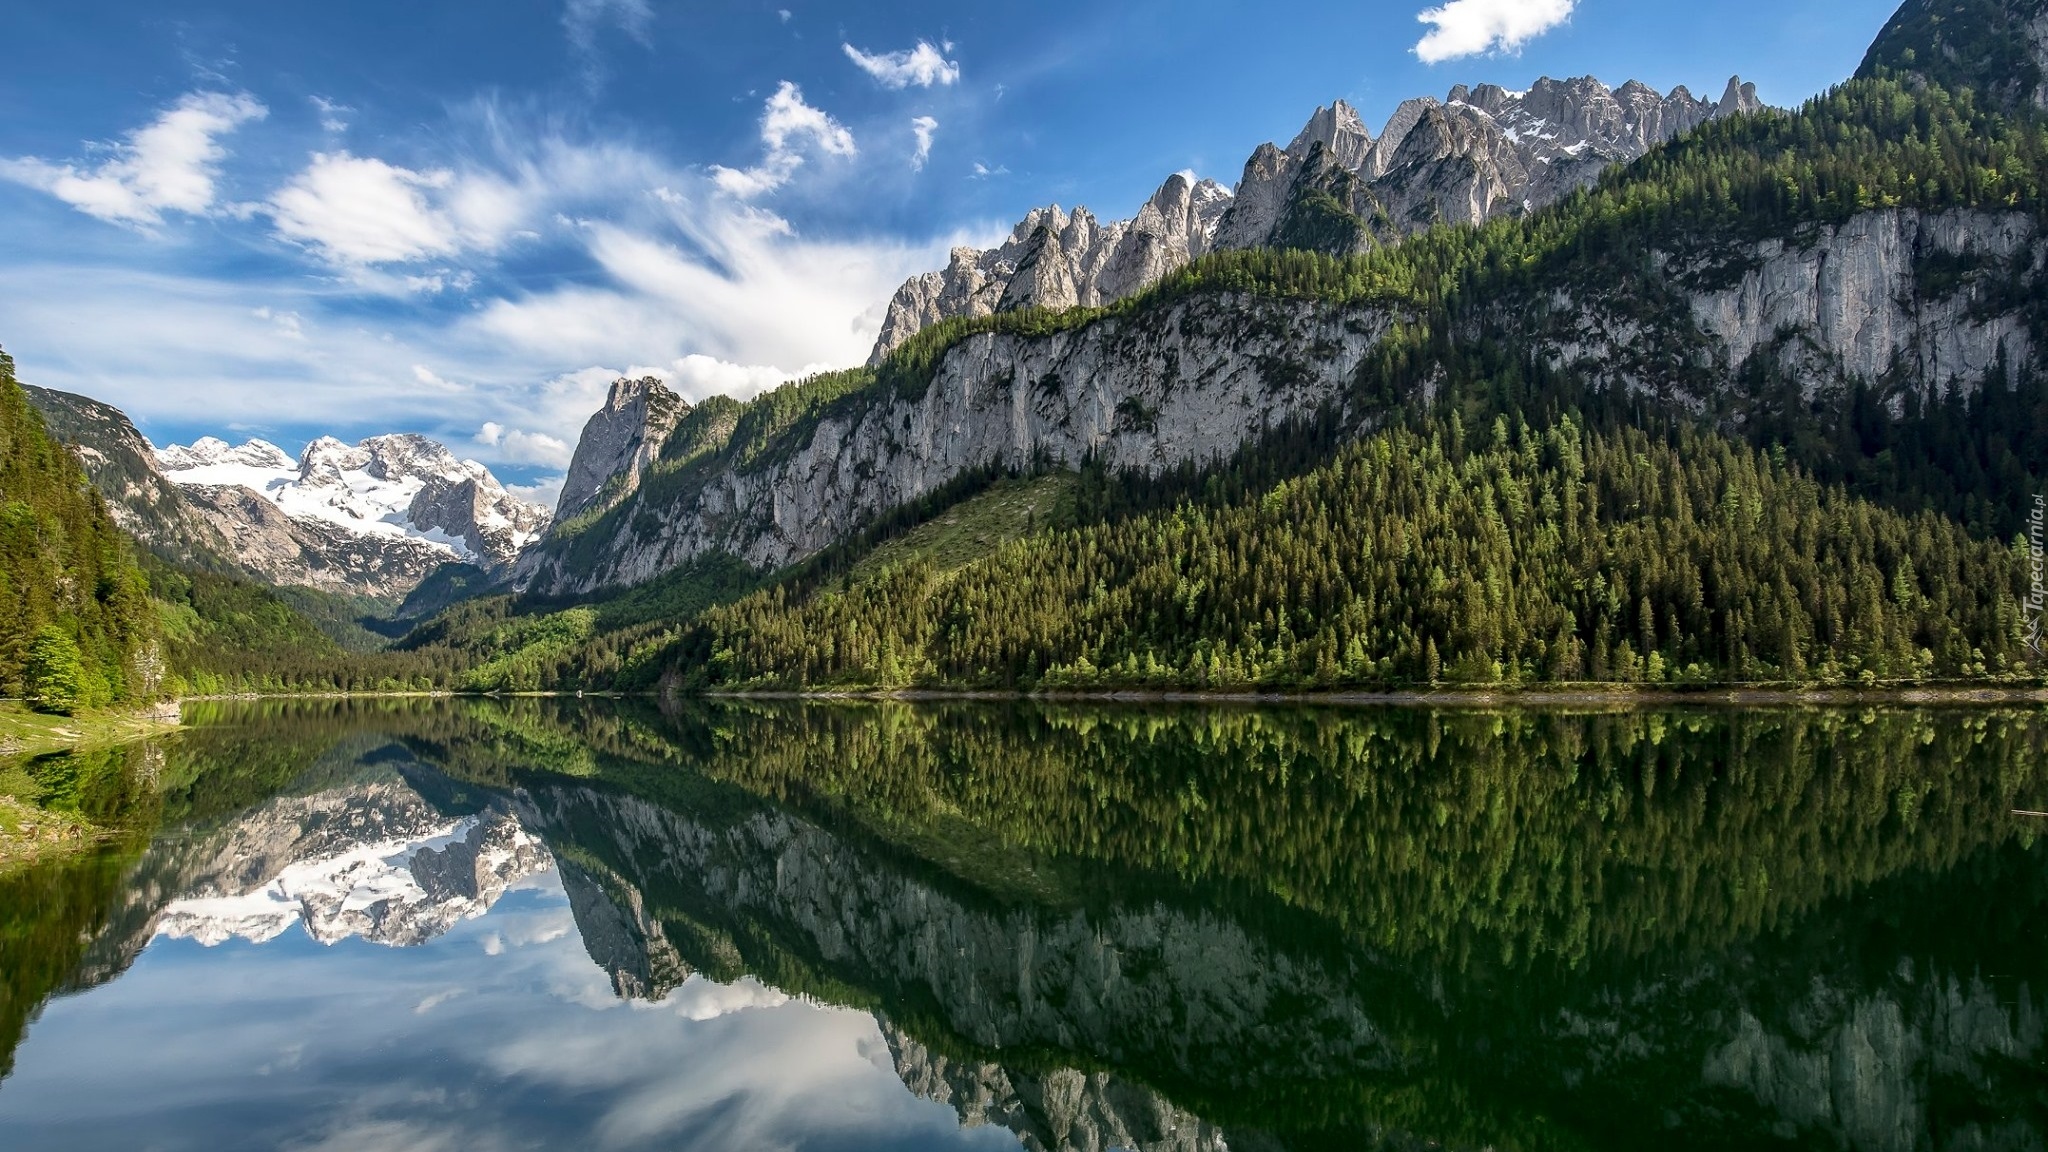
[(697, 376), (1471, 27), (521, 447), (168, 166), (427, 376), (787, 125), (922, 66), (360, 210), (982, 171), (783, 14), (333, 113), (582, 19), (923, 127)]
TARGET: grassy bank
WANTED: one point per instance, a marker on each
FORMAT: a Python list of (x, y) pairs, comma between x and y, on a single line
[(27, 733), (42, 761)]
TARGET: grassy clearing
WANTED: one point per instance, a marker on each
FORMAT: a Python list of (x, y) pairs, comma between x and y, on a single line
[(1009, 510), (36, 823), (26, 733)]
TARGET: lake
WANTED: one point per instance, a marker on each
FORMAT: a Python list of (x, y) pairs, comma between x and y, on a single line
[(470, 924)]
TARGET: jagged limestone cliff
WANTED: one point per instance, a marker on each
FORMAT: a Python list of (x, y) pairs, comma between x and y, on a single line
[(618, 443), (1475, 154), (1913, 301)]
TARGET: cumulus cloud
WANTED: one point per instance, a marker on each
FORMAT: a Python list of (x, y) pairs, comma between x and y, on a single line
[(1471, 27), (921, 67), (168, 166), (362, 211), (521, 447), (923, 127), (788, 126)]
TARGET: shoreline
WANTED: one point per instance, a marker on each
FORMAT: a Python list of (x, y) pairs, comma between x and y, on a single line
[(1618, 696), (1623, 698), (31, 834)]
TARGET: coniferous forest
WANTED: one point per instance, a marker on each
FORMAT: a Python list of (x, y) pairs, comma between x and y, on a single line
[(1466, 513)]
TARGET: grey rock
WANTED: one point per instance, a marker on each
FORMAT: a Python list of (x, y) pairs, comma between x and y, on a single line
[(620, 440), (1063, 1110), (1053, 260), (1196, 380), (306, 553)]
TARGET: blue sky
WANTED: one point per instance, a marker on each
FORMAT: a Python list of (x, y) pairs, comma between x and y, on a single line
[(250, 218)]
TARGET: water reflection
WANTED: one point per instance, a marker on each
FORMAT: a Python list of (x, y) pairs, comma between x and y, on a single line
[(1071, 928)]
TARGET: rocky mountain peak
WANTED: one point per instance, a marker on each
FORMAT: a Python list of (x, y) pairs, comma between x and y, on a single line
[(1054, 259), (1338, 128), (1477, 153), (208, 450), (620, 440), (1740, 99), (378, 515)]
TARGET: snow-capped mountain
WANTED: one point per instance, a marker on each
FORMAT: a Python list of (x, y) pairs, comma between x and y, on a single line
[(374, 861), (404, 491), (1477, 153)]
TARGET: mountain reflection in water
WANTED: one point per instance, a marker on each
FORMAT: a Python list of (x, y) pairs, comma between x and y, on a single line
[(541, 923)]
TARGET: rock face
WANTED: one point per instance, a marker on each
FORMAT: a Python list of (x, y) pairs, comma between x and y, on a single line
[(618, 443), (373, 861), (1199, 378), (1064, 1109), (122, 466), (1149, 393), (381, 514), (1479, 153), (1053, 260), (1852, 293), (1476, 154)]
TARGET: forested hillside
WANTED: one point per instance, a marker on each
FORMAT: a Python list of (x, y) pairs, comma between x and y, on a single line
[(1421, 556), (77, 628), (1547, 465)]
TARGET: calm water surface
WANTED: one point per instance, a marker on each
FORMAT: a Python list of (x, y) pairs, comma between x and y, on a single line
[(541, 924)]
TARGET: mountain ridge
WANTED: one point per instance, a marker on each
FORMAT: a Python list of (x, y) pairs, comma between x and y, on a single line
[(1478, 153)]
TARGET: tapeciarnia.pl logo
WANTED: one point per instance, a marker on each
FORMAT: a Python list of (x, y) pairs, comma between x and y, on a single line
[(2037, 596)]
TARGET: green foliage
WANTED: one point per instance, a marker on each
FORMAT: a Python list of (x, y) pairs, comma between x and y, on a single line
[(53, 680), (1562, 555), (1976, 44), (65, 571)]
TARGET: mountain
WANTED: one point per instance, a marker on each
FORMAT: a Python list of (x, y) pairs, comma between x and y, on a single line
[(1834, 312), (404, 492), (76, 625), (1474, 155), (377, 519), (1053, 260), (373, 861), (122, 466), (618, 443), (1998, 48)]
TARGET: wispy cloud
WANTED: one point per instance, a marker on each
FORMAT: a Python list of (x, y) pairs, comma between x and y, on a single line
[(333, 114), (1473, 27), (171, 165), (921, 67), (583, 19), (787, 127), (922, 127)]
